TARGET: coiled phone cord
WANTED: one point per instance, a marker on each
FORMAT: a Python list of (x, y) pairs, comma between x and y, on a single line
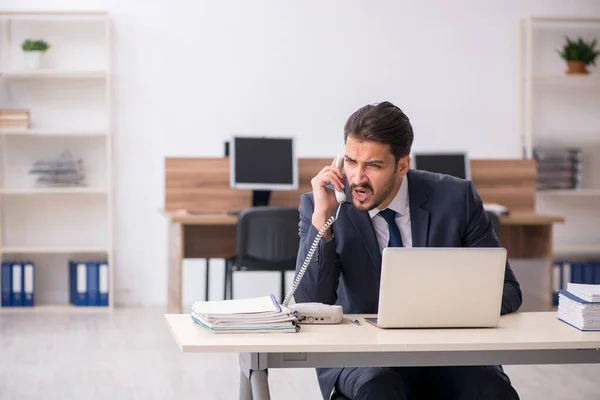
[(309, 257)]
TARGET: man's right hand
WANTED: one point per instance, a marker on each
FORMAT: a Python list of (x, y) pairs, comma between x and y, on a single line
[(325, 201)]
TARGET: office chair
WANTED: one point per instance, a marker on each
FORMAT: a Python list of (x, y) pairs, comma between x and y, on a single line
[(266, 240), (495, 222)]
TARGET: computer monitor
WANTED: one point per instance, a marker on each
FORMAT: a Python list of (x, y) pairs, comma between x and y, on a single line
[(263, 164), (455, 164)]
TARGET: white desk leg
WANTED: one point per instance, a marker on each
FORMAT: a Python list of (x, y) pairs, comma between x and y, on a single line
[(254, 382), (260, 385), (245, 387)]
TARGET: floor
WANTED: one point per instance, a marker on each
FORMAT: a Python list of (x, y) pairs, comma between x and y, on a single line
[(129, 354)]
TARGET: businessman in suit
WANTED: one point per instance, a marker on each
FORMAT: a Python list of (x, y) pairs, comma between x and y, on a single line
[(388, 204)]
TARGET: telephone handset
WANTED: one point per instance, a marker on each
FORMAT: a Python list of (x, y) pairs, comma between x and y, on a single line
[(316, 312), (339, 162)]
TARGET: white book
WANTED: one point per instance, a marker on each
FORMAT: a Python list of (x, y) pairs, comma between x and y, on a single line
[(585, 292)]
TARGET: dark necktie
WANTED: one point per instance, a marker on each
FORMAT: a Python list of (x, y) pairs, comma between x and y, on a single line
[(395, 237)]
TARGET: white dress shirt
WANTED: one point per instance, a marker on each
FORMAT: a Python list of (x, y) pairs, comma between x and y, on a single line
[(400, 205)]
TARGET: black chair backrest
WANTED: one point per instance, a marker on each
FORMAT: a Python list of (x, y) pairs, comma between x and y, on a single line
[(268, 237), (495, 222)]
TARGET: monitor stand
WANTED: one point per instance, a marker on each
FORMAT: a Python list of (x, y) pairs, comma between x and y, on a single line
[(260, 198)]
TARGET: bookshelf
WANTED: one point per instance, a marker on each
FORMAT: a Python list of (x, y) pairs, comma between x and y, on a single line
[(559, 110), (69, 103)]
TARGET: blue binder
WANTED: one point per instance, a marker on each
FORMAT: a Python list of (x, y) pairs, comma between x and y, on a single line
[(103, 283), (6, 280), (17, 285), (79, 284), (28, 284), (93, 284)]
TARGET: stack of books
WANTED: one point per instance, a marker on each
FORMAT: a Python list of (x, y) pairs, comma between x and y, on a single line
[(14, 119), (579, 306), (256, 315), (62, 171), (558, 168)]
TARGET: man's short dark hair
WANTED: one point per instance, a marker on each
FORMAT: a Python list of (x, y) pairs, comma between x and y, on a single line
[(383, 123)]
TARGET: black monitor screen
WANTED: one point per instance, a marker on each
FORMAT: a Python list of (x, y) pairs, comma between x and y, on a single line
[(263, 163), (451, 164)]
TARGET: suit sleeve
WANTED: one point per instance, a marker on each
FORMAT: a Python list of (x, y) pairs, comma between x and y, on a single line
[(320, 280), (479, 233)]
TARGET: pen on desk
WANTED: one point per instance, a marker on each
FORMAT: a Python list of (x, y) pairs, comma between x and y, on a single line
[(354, 321)]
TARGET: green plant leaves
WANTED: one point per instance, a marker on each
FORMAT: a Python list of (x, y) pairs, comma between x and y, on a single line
[(579, 50), (35, 45)]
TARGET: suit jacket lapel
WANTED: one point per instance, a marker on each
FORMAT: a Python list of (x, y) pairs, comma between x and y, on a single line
[(419, 216)]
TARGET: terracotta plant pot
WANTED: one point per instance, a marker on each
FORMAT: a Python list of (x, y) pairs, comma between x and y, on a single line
[(576, 67)]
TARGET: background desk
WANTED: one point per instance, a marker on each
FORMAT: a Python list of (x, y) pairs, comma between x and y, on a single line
[(201, 185), (521, 338), (212, 235)]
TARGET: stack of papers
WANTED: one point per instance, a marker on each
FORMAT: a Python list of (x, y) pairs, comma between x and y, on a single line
[(256, 315), (579, 306), (62, 171)]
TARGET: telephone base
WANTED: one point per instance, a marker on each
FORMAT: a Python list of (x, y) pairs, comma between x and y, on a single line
[(318, 313)]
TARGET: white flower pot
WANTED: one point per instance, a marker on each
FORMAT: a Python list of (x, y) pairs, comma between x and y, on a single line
[(33, 59)]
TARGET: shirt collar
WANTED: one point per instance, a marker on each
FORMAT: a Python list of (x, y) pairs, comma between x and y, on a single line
[(399, 203)]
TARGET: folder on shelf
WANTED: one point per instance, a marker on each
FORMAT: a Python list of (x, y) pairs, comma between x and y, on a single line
[(78, 283), (28, 284), (6, 283), (103, 283), (17, 285), (93, 286)]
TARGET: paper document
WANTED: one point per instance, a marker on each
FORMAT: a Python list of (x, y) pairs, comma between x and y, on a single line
[(255, 315)]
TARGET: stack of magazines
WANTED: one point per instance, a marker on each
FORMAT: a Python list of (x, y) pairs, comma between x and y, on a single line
[(256, 315), (62, 171), (579, 306)]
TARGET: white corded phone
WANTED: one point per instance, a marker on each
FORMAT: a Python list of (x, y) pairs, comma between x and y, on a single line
[(318, 313)]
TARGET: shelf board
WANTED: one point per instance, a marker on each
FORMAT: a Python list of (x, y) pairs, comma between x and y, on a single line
[(49, 73), (582, 20), (40, 13), (52, 249), (55, 308), (53, 132), (66, 190), (579, 79), (577, 249), (569, 192)]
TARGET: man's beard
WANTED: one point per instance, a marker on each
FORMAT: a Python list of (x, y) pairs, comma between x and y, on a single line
[(377, 198)]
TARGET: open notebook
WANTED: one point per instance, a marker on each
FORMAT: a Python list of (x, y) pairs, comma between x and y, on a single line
[(255, 315)]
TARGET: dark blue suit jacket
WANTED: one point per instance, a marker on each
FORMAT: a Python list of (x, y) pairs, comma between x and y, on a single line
[(444, 211)]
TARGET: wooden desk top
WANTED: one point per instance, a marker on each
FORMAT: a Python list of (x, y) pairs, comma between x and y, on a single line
[(519, 331), (192, 218), (530, 219)]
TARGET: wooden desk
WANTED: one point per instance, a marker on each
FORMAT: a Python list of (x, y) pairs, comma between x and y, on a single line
[(196, 235), (527, 238), (521, 338), (212, 235), (202, 185)]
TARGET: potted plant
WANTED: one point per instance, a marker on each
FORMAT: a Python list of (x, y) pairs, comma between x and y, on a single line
[(33, 51), (578, 55)]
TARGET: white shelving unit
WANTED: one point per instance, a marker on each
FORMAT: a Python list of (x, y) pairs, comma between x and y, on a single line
[(561, 110), (69, 100)]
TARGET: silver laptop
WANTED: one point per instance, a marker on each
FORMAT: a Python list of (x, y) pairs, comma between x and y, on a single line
[(433, 287)]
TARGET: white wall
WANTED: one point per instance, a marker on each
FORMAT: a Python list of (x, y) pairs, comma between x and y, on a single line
[(189, 73)]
